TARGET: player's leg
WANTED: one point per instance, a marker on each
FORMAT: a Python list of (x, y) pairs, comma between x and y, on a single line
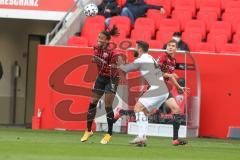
[(123, 112), (172, 104), (97, 93), (109, 97), (145, 104), (141, 114), (110, 91)]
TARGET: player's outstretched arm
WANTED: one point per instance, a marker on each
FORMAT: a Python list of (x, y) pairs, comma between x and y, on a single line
[(172, 77)]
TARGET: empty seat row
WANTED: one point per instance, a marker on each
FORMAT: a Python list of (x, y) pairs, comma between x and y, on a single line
[(214, 45), (144, 28)]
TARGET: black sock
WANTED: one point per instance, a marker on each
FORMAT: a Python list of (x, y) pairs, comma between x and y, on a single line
[(127, 112), (123, 112), (91, 115), (110, 119), (131, 113), (176, 125)]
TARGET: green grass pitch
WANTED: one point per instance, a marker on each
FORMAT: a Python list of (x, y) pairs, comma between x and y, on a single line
[(26, 144)]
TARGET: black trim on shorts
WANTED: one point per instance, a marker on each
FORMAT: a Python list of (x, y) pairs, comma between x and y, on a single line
[(104, 84), (170, 95)]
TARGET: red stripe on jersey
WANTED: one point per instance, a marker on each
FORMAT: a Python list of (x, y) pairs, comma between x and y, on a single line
[(167, 64), (107, 57)]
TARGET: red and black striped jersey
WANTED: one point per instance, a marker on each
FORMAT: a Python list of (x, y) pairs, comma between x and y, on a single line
[(104, 58), (167, 64)]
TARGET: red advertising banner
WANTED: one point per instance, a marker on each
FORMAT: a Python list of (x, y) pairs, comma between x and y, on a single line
[(64, 83), (47, 5), (65, 79)]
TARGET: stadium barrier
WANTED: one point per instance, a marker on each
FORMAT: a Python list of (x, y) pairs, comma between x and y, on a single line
[(65, 78)]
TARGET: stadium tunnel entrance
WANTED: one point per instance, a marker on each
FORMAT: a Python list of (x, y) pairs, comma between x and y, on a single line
[(18, 42)]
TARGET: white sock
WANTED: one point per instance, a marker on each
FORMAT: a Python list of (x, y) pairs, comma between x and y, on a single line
[(142, 123)]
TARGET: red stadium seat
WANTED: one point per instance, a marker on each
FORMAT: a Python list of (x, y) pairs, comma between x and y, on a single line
[(122, 22), (165, 3), (224, 3), (196, 26), (122, 33), (185, 5), (204, 47), (236, 38), (218, 40), (169, 24), (182, 16), (233, 6), (141, 34), (124, 2), (156, 15), (92, 27), (208, 17), (191, 39), (233, 18), (238, 27), (142, 23), (173, 3), (121, 3), (77, 41), (197, 2), (210, 5), (230, 48), (96, 21), (124, 43), (220, 27), (156, 44), (91, 35), (164, 36)]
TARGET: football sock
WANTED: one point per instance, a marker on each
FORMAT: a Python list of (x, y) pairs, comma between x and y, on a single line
[(91, 115), (176, 125), (142, 123), (127, 112), (110, 119)]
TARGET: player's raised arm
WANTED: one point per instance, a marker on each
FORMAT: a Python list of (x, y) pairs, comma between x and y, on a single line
[(131, 66)]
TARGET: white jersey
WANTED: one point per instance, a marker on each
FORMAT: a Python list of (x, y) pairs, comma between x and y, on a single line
[(149, 70), (158, 91)]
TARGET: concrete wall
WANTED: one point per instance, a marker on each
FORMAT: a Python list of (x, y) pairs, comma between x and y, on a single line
[(14, 47), (72, 25)]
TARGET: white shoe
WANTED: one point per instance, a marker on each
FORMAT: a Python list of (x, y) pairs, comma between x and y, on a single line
[(139, 140)]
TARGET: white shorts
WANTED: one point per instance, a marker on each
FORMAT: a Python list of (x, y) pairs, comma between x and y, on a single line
[(153, 99)]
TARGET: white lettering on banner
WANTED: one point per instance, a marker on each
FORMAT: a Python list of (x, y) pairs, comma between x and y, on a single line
[(28, 3)]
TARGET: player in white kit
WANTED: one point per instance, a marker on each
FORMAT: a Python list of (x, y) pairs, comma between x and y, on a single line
[(156, 94)]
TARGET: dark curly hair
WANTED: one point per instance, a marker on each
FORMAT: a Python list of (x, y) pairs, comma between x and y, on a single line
[(111, 32)]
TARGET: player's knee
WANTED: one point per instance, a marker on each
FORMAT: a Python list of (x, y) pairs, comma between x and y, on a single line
[(171, 103), (108, 107), (175, 109), (108, 104)]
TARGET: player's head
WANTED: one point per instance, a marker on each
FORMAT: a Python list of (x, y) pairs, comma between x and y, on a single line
[(172, 46), (141, 47), (177, 36), (105, 36)]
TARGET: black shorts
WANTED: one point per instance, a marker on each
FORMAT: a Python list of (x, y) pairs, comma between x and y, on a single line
[(105, 84), (169, 96)]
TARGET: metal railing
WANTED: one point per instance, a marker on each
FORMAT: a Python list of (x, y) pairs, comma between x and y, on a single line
[(62, 23)]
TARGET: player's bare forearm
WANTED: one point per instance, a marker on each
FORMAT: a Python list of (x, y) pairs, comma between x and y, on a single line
[(172, 77)]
